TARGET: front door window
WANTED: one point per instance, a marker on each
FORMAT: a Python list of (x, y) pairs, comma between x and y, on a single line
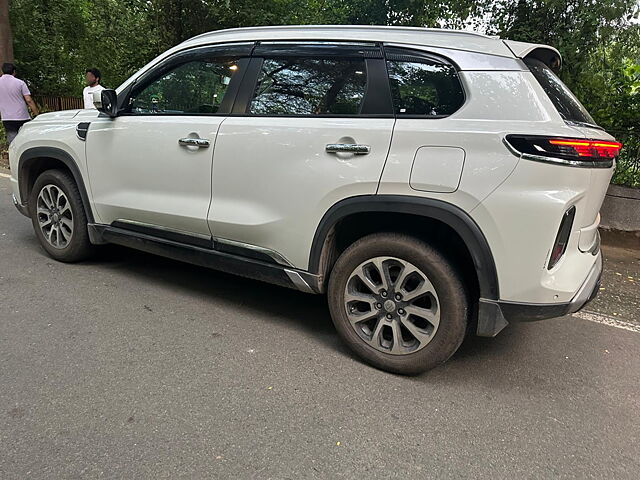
[(196, 87)]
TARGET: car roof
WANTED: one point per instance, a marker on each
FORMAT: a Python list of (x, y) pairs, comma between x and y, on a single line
[(407, 36), (435, 37)]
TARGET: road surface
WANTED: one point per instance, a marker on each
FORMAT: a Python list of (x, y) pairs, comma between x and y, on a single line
[(133, 366)]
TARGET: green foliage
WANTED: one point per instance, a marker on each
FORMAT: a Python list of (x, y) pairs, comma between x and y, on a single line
[(600, 47), (55, 41)]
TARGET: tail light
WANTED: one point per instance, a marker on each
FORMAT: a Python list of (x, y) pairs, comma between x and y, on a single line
[(565, 151), (562, 238)]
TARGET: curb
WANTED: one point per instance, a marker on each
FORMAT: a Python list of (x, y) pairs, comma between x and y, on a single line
[(621, 209)]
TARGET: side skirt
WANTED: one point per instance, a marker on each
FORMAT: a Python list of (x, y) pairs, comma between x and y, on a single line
[(206, 257)]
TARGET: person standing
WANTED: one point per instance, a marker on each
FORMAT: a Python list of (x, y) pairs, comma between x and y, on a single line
[(14, 98), (92, 77)]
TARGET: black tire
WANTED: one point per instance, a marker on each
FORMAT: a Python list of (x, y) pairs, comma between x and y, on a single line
[(451, 295), (78, 246)]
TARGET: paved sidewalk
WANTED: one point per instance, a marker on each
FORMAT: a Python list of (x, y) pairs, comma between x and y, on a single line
[(619, 294)]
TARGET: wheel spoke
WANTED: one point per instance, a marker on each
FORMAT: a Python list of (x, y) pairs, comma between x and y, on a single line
[(429, 315), (45, 223), (62, 234), (396, 347), (359, 317), (404, 274), (65, 208), (359, 297), (45, 195), (383, 270), (424, 288), (61, 200), (362, 275), (54, 193), (420, 335), (377, 333), (53, 236), (67, 223)]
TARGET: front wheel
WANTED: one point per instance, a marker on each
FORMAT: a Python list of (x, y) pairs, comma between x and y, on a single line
[(398, 303), (59, 218)]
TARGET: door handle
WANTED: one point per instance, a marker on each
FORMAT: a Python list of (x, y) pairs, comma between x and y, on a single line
[(194, 142), (355, 148)]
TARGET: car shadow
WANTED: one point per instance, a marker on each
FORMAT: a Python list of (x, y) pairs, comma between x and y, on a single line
[(297, 309), (302, 310)]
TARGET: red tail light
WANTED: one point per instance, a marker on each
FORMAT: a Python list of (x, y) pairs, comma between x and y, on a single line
[(590, 148), (567, 151)]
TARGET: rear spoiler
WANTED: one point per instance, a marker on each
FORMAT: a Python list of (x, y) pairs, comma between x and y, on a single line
[(546, 54)]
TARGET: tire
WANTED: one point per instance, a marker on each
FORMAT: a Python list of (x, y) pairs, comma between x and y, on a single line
[(58, 217), (416, 338)]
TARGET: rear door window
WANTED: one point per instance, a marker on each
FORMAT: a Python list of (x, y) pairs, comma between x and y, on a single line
[(566, 103), (310, 86), (422, 85)]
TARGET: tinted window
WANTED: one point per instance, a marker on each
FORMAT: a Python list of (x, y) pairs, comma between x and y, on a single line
[(309, 86), (422, 87), (195, 87), (568, 106)]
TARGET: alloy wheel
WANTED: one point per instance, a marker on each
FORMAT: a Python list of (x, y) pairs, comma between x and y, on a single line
[(392, 305), (55, 217)]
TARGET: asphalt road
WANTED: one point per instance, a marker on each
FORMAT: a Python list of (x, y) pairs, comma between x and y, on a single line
[(132, 366)]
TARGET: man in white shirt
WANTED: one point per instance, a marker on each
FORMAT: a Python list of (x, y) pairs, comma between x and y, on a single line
[(92, 77)]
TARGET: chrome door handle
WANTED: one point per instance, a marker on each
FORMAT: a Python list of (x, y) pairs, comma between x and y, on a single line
[(355, 148), (194, 142)]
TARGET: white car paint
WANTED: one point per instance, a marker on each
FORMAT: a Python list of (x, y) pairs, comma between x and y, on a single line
[(268, 181), (138, 172), (437, 169), (273, 180)]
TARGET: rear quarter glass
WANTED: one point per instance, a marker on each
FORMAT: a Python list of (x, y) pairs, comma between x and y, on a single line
[(566, 103)]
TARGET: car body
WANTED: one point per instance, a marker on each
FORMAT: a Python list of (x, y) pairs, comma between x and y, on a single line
[(443, 136)]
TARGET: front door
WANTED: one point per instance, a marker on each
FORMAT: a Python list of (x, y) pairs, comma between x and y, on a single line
[(151, 165), (314, 128)]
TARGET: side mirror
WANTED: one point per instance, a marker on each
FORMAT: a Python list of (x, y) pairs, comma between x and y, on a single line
[(106, 101)]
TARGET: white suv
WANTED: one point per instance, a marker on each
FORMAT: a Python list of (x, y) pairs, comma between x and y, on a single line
[(431, 182)]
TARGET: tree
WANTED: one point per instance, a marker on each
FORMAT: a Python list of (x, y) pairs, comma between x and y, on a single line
[(6, 40)]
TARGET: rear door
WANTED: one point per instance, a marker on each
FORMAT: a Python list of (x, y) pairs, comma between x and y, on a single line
[(311, 126)]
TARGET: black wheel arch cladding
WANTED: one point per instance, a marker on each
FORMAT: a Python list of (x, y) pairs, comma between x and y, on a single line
[(449, 214), (32, 155)]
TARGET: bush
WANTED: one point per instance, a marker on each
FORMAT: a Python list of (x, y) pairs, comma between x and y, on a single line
[(3, 144), (628, 163)]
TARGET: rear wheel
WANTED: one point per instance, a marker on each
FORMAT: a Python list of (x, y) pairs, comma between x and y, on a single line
[(59, 218), (398, 303)]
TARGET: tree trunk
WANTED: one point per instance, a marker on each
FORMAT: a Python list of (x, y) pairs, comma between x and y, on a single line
[(6, 40)]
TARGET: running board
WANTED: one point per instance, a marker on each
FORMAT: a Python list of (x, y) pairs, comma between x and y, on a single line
[(207, 257)]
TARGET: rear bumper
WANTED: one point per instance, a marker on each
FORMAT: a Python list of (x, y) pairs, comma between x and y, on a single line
[(494, 316), (21, 208)]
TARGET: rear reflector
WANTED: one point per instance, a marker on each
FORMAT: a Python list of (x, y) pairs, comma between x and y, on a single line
[(566, 151), (562, 238)]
